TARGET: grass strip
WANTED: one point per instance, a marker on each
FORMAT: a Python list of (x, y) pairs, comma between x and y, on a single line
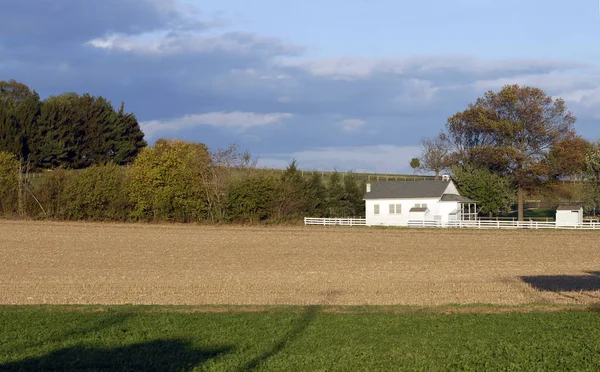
[(299, 338)]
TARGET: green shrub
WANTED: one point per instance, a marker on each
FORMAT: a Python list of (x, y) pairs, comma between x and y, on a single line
[(165, 182), (9, 184), (97, 193), (250, 199), (51, 192)]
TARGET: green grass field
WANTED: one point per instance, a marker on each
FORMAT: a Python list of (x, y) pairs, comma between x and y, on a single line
[(297, 339), (358, 176)]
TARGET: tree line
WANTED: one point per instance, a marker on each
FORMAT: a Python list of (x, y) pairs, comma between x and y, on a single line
[(507, 144), (69, 130), (178, 181), (511, 143)]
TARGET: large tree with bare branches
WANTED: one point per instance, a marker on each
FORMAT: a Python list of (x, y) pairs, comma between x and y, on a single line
[(435, 154)]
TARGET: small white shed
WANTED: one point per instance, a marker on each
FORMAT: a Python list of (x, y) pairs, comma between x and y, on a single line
[(569, 215)]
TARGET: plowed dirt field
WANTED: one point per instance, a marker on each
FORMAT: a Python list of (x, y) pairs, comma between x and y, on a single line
[(94, 263)]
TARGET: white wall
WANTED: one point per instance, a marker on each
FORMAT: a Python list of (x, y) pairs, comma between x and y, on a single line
[(445, 208), (569, 218), (451, 189), (436, 208)]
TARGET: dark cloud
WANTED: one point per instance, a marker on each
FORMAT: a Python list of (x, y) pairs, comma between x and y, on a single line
[(52, 22)]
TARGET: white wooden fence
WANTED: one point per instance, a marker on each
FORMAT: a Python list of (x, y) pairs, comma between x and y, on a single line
[(478, 224), (335, 221), (483, 224)]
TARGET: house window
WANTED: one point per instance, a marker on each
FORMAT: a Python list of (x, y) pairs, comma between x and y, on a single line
[(376, 209), (395, 208), (420, 205)]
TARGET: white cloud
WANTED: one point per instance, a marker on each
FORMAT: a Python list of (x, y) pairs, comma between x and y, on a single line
[(551, 82), (343, 68), (354, 68), (579, 96), (176, 42), (589, 98), (416, 92), (231, 120), (352, 125), (378, 158)]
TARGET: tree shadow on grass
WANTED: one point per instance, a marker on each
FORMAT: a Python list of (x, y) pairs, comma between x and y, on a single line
[(565, 283), (160, 355), (75, 329), (307, 317)]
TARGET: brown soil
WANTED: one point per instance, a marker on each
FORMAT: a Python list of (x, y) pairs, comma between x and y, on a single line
[(107, 264)]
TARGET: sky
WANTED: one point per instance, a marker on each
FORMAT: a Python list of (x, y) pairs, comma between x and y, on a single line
[(352, 85)]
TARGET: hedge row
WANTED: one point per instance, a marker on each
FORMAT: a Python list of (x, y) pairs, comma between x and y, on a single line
[(177, 181)]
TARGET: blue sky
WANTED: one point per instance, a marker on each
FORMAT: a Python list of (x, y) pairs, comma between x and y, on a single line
[(352, 85)]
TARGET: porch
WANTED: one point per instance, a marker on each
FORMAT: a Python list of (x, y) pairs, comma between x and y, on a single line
[(467, 208)]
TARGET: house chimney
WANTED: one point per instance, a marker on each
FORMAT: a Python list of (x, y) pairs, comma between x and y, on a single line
[(445, 177), (368, 187)]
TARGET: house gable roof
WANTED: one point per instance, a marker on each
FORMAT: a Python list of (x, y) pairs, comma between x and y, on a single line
[(407, 189)]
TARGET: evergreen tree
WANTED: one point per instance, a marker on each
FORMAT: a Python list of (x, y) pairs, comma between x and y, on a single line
[(335, 195), (60, 130), (316, 195), (19, 110), (68, 130), (291, 196), (353, 197), (126, 138)]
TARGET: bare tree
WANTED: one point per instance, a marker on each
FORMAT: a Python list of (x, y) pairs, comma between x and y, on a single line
[(436, 154), (225, 165)]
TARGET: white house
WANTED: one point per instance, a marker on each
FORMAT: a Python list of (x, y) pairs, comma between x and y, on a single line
[(569, 215), (394, 203)]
